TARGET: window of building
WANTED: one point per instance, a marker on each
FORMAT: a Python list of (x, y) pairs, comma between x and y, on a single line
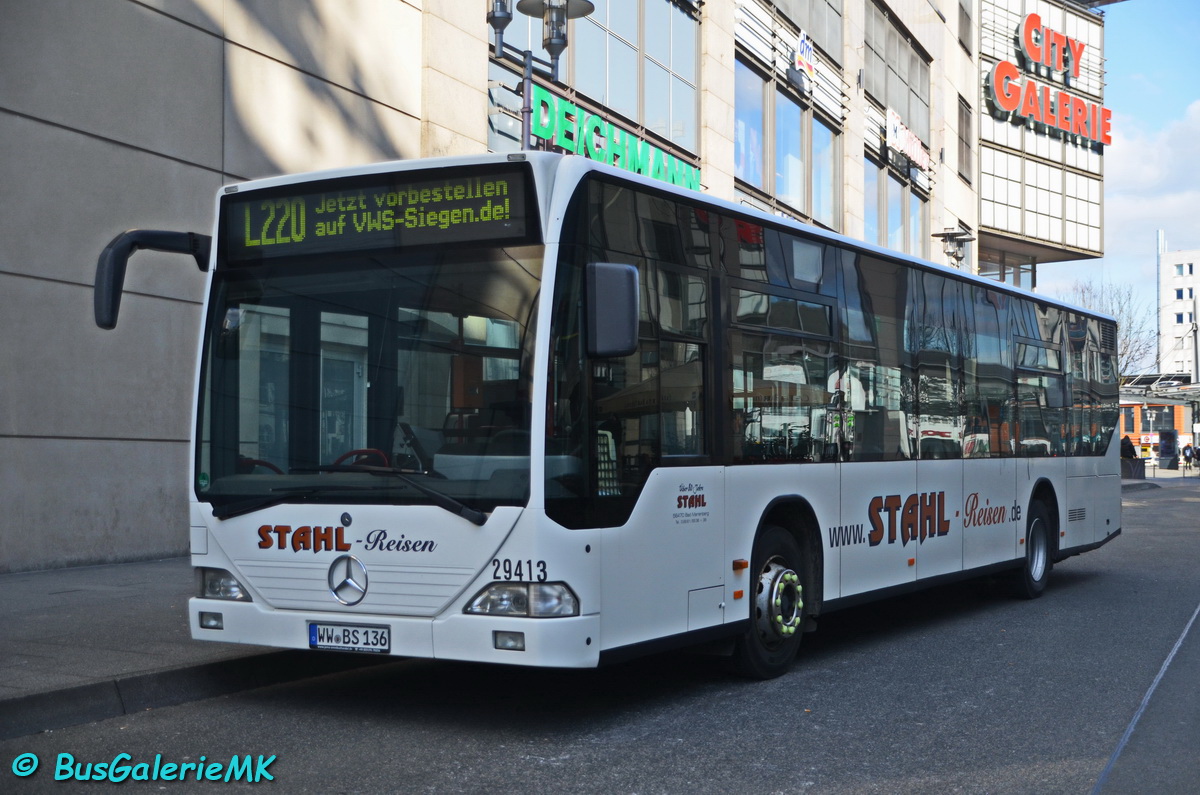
[(966, 137), (789, 150), (821, 19), (749, 122), (640, 59), (1179, 270), (897, 73), (783, 147), (1178, 318), (825, 180), (966, 31), (1158, 418), (894, 212), (1179, 294)]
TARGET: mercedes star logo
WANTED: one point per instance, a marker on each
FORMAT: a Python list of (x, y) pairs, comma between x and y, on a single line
[(348, 580)]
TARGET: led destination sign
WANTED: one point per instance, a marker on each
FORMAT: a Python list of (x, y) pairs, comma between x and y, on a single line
[(379, 212)]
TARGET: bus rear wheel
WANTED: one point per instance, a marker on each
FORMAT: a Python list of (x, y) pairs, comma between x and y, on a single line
[(769, 645), (1030, 582)]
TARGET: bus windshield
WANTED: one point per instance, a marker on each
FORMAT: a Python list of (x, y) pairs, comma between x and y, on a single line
[(394, 376)]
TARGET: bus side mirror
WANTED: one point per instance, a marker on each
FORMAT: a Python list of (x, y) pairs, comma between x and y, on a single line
[(612, 309), (110, 268)]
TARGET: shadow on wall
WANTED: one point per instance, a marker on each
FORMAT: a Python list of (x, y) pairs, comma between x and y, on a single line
[(318, 85)]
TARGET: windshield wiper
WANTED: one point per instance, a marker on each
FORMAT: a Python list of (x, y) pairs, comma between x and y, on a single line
[(439, 499), (281, 495)]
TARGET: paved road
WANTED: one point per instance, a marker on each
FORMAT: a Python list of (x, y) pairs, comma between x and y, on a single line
[(959, 689)]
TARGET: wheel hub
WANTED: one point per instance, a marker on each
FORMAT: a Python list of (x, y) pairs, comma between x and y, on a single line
[(779, 601)]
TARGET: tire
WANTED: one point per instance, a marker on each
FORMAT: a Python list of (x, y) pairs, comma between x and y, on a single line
[(777, 613), (1030, 582)]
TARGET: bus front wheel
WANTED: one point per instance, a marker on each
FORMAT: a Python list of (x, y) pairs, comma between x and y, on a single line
[(1031, 580), (767, 648)]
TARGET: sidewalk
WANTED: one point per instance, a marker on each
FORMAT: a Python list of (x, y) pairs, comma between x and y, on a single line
[(91, 643), (1157, 477), (95, 642)]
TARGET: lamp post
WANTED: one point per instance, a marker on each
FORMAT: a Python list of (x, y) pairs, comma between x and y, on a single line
[(554, 15), (954, 244)]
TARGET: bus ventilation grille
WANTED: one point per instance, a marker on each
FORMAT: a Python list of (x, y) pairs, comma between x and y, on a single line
[(1076, 514), (1108, 337)]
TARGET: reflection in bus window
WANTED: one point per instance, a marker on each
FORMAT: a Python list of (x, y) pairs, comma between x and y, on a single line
[(781, 403)]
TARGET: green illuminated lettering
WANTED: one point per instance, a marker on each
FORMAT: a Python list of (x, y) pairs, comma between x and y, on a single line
[(544, 111), (592, 125), (658, 163), (299, 228), (265, 235), (250, 241), (286, 215), (642, 155), (618, 143), (565, 123)]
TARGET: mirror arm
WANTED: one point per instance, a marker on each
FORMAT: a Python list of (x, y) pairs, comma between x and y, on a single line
[(110, 268)]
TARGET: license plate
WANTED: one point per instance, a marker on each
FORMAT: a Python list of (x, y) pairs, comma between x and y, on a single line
[(350, 637)]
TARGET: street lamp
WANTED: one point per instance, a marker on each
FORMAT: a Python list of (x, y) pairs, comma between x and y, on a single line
[(498, 17), (554, 15), (954, 244)]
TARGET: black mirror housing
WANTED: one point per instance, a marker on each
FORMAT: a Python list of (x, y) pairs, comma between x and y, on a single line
[(612, 309)]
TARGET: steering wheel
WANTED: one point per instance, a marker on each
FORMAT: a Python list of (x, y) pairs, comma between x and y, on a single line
[(365, 453)]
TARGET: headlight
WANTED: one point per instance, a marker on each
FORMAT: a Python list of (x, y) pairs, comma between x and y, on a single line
[(529, 599), (220, 584)]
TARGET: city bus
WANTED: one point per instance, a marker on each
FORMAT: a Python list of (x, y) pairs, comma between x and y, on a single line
[(532, 409)]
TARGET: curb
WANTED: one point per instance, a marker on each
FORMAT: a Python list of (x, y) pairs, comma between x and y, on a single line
[(1139, 486), (125, 695)]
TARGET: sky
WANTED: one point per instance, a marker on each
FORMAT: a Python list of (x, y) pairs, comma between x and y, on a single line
[(1152, 167)]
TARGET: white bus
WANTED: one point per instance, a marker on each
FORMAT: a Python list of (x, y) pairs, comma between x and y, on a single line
[(531, 409)]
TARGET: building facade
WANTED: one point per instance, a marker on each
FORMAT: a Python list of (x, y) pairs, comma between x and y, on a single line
[(908, 123), (1178, 289)]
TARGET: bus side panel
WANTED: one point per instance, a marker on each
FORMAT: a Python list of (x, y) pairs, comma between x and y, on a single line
[(939, 501), (752, 490), (1054, 470), (989, 523), (878, 548), (1082, 500), (671, 546), (1106, 502)]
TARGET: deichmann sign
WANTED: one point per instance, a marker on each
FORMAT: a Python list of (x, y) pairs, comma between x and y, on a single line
[(569, 127), (1010, 92)]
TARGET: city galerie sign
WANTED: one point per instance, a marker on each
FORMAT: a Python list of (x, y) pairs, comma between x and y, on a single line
[(1056, 109), (569, 127)]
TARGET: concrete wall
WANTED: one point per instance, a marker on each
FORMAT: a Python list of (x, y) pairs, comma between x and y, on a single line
[(117, 114)]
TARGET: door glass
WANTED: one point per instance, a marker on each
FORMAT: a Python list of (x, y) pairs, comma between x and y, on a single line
[(343, 381)]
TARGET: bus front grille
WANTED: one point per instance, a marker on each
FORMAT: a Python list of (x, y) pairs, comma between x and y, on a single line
[(391, 589)]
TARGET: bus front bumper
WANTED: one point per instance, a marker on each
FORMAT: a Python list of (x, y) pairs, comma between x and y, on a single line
[(548, 642)]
